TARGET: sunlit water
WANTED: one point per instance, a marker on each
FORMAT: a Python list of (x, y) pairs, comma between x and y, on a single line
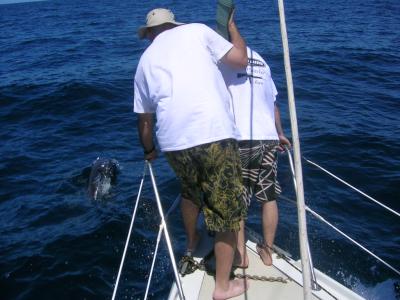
[(66, 74)]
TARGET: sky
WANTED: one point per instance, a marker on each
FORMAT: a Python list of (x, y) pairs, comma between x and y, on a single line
[(16, 1)]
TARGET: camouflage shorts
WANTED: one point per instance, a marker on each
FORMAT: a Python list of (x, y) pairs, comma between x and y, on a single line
[(210, 176), (259, 168)]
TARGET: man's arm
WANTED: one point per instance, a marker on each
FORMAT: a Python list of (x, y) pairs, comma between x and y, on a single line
[(237, 55), (283, 140), (145, 129)]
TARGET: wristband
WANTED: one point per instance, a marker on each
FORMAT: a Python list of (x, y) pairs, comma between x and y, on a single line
[(149, 151)]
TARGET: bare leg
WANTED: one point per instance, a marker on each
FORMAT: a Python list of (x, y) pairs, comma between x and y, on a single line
[(270, 223), (190, 213), (241, 259), (224, 248)]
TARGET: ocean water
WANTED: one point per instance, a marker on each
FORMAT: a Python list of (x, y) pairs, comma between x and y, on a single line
[(66, 72)]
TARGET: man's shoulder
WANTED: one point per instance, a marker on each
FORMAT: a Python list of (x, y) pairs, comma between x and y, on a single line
[(148, 53), (195, 27), (143, 63), (143, 58)]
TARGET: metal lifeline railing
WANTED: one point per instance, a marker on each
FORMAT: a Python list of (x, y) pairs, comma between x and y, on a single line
[(352, 187), (163, 228), (129, 234), (172, 208), (320, 218)]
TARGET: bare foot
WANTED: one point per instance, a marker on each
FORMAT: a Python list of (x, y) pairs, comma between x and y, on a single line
[(265, 255), (236, 288), (241, 260)]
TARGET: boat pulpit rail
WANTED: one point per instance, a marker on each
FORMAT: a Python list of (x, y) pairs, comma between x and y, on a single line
[(162, 229)]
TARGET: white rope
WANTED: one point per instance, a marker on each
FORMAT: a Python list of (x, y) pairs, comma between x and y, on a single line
[(314, 284), (129, 235), (345, 235), (173, 206), (291, 168), (354, 188), (167, 238), (297, 160)]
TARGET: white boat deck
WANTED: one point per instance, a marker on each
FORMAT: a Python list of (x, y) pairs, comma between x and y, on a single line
[(259, 289), (199, 285)]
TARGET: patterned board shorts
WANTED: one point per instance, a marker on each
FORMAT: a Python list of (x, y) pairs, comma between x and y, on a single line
[(210, 176), (259, 168)]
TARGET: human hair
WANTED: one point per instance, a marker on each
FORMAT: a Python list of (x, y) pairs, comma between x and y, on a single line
[(152, 32)]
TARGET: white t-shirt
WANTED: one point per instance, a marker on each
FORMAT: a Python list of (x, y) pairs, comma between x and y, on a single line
[(253, 97), (178, 79)]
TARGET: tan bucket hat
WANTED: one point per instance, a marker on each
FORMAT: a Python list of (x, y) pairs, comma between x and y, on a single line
[(157, 17)]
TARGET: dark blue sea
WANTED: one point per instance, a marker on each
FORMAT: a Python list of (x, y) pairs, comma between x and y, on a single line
[(66, 74)]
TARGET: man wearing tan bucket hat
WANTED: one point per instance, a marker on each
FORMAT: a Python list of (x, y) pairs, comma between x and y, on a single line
[(157, 17), (178, 79)]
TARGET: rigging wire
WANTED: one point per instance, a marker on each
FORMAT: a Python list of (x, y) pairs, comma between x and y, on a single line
[(354, 188), (322, 219)]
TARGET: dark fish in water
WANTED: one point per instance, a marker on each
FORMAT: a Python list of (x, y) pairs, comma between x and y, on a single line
[(103, 175)]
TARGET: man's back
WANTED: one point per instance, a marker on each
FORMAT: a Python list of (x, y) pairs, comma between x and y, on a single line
[(253, 95), (179, 74), (177, 79)]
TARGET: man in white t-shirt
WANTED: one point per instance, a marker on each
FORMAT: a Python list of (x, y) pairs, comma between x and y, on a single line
[(258, 120), (178, 79)]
